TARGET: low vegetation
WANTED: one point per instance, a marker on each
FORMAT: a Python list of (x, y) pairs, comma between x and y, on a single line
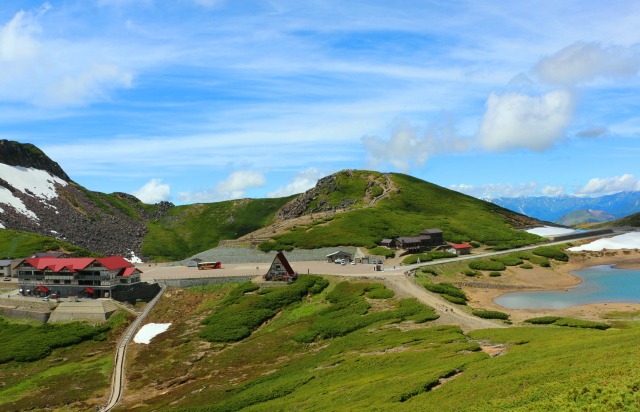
[(416, 205), (551, 252), (37, 359), (490, 314), (569, 322), (448, 291), (18, 244)]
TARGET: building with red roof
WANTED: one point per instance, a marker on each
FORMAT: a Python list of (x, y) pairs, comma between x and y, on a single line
[(461, 248), (83, 277)]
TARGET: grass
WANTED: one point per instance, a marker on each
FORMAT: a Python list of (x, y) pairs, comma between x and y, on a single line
[(417, 205), (191, 229), (390, 365), (16, 244), (83, 369)]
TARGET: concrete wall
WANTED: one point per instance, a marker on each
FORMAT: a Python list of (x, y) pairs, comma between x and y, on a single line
[(185, 283), (580, 235), (136, 291), (19, 313)]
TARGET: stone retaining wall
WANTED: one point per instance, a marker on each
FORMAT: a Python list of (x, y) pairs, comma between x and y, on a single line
[(185, 283)]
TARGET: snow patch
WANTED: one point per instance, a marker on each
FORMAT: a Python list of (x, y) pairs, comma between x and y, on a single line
[(625, 241), (32, 182), (150, 331), (545, 231), (133, 258), (8, 198)]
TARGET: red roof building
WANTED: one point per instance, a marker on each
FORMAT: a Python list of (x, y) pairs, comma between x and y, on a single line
[(88, 277), (461, 248)]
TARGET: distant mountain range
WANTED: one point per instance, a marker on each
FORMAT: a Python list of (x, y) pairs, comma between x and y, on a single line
[(571, 210)]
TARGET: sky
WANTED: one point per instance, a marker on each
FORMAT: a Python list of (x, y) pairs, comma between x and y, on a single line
[(207, 100)]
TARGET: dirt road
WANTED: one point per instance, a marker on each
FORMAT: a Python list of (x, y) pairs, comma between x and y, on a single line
[(449, 313)]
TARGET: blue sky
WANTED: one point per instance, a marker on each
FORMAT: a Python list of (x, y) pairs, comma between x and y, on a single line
[(208, 100)]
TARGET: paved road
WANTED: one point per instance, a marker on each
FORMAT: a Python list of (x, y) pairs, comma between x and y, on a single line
[(117, 380)]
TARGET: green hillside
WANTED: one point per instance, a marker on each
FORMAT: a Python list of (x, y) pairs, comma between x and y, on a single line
[(350, 347), (19, 244), (415, 205), (629, 221), (189, 229)]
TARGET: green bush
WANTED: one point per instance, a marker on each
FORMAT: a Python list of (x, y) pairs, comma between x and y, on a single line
[(380, 293), (551, 252), (411, 259), (474, 244), (454, 299), (470, 273), (495, 274), (526, 266), (445, 289), (543, 320), (508, 260), (540, 260), (490, 314), (486, 265), (382, 251), (580, 323)]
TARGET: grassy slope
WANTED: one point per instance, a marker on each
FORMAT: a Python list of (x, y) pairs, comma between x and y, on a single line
[(194, 228), (631, 220), (418, 206), (376, 367), (17, 244), (73, 378)]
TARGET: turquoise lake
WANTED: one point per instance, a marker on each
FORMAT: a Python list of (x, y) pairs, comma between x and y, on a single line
[(600, 284)]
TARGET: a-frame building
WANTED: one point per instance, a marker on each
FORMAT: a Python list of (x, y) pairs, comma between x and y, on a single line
[(281, 270)]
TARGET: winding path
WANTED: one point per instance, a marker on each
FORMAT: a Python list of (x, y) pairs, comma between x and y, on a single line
[(117, 380)]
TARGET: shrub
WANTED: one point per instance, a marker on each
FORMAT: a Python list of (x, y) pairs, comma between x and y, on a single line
[(445, 289), (382, 251), (543, 320), (470, 273), (540, 260), (551, 252), (495, 274), (473, 243), (486, 265), (380, 293), (456, 300), (490, 314), (526, 266), (508, 260), (428, 270), (580, 323), (411, 259)]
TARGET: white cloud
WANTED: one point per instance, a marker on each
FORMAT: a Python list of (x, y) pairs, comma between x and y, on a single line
[(153, 191), (232, 188), (583, 62), (303, 181), (610, 185), (591, 132), (553, 190), (406, 147), (515, 121), (492, 191), (46, 71)]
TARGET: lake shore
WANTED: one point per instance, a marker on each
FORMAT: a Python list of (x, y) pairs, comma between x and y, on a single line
[(560, 276)]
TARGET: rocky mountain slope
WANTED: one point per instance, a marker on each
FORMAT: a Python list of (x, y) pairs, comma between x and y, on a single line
[(37, 196)]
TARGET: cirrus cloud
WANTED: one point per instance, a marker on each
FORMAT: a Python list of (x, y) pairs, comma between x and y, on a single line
[(583, 62)]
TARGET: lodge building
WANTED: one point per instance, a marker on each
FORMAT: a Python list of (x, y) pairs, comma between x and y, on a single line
[(81, 277)]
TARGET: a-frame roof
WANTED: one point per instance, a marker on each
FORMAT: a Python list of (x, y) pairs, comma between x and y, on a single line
[(285, 263)]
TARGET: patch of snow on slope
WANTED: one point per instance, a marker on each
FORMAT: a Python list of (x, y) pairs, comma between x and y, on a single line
[(7, 198), (625, 241), (150, 331), (133, 258), (32, 182), (550, 231)]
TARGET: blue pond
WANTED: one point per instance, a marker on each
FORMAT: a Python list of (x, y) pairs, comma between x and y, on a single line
[(600, 284)]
